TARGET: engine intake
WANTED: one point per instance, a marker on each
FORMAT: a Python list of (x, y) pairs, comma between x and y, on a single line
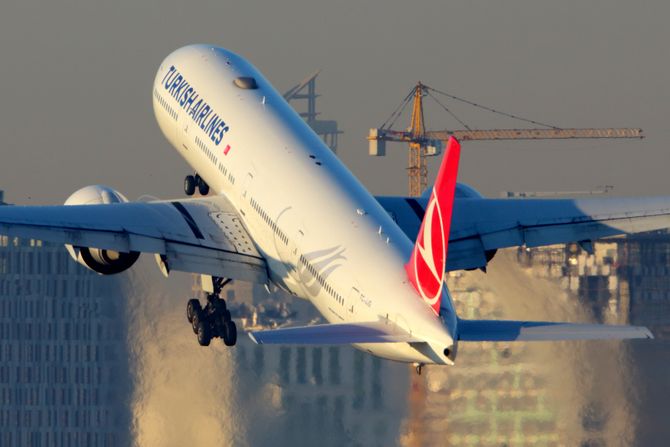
[(103, 261), (106, 262)]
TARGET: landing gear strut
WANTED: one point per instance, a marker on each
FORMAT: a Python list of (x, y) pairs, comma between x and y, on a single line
[(214, 320), (191, 182), (418, 367)]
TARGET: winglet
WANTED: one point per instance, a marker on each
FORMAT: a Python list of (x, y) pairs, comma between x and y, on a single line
[(427, 264)]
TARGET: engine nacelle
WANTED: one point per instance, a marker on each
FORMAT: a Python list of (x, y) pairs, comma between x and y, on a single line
[(103, 261)]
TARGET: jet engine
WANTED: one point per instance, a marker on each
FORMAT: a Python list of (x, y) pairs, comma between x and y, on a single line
[(102, 261)]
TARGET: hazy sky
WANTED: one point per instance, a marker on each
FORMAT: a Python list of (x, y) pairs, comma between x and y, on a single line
[(75, 83)]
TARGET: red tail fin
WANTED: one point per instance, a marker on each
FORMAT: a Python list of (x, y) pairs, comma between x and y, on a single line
[(427, 264)]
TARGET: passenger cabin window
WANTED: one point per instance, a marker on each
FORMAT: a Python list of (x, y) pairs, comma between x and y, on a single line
[(246, 83)]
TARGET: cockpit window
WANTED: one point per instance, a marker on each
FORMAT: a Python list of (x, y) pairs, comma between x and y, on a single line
[(246, 83)]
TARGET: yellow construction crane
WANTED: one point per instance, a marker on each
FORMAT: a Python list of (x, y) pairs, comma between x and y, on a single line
[(423, 143)]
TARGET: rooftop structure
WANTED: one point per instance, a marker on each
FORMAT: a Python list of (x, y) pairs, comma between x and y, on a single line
[(306, 91)]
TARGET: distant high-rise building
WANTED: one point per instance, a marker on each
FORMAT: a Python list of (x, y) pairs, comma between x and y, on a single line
[(63, 360), (325, 395), (494, 396), (314, 395), (623, 280), (501, 394)]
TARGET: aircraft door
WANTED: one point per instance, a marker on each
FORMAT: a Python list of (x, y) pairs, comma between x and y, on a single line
[(182, 129), (248, 180), (354, 297)]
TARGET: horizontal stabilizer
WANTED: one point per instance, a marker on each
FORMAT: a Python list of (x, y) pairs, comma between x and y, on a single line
[(506, 330), (335, 334)]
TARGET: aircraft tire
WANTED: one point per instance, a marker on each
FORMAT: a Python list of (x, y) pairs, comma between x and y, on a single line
[(229, 333), (189, 185), (203, 188), (204, 334), (221, 318), (192, 307), (197, 318)]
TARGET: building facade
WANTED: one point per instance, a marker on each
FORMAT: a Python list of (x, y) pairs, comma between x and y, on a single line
[(63, 362), (552, 394)]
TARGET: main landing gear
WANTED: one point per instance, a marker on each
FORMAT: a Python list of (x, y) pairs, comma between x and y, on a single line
[(195, 181), (214, 320)]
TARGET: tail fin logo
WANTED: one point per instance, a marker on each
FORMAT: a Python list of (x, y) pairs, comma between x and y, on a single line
[(428, 261), (430, 254)]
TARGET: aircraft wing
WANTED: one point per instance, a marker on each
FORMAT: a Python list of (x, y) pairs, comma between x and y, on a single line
[(481, 226), (203, 235)]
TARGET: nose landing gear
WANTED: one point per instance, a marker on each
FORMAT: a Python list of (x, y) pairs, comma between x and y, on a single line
[(214, 319), (191, 182)]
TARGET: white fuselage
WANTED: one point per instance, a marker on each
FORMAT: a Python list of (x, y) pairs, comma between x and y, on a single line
[(324, 236)]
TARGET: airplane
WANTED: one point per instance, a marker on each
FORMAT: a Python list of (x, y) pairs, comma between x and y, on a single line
[(278, 208)]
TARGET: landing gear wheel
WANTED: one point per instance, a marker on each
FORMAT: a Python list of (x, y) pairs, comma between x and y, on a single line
[(229, 333), (198, 317), (203, 188), (189, 185), (204, 334), (192, 307), (213, 320)]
